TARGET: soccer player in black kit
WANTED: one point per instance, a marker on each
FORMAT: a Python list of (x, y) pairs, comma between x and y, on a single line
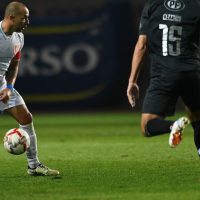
[(170, 32)]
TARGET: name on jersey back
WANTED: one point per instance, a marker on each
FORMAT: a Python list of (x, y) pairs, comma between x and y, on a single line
[(171, 17)]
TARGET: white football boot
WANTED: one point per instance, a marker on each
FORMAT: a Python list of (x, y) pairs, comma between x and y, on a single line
[(42, 170), (177, 130)]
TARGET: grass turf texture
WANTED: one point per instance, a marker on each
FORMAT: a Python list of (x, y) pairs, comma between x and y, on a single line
[(101, 157)]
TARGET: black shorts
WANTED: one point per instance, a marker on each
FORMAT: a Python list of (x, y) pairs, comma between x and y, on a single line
[(165, 88)]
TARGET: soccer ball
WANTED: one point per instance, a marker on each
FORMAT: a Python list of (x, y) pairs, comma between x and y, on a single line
[(16, 141)]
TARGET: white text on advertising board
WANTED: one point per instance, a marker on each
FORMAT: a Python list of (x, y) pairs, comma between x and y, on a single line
[(51, 60)]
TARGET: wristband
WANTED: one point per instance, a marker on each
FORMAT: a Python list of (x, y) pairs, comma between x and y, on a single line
[(10, 86)]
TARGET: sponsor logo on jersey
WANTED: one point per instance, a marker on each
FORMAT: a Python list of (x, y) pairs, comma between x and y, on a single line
[(173, 18), (174, 5)]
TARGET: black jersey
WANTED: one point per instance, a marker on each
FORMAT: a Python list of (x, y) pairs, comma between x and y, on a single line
[(173, 31)]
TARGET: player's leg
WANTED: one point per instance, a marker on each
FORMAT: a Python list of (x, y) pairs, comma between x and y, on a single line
[(153, 125), (191, 98), (21, 114), (159, 102), (196, 128), (16, 107), (195, 122)]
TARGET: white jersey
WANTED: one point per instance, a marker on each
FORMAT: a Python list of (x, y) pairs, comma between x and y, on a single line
[(9, 47)]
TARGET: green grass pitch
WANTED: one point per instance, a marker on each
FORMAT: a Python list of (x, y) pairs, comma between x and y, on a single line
[(101, 156)]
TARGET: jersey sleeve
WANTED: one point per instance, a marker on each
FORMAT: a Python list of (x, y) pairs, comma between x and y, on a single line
[(17, 55), (21, 36), (144, 19)]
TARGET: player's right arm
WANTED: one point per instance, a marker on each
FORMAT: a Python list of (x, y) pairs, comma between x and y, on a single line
[(11, 76), (138, 57)]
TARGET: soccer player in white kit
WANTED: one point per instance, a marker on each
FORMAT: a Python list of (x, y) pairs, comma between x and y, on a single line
[(11, 43)]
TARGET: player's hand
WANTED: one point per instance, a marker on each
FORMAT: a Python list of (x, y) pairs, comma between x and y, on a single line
[(132, 93), (5, 95)]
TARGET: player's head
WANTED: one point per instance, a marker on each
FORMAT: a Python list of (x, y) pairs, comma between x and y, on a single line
[(16, 13)]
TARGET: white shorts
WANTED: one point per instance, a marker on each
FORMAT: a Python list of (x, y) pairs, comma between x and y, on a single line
[(14, 100)]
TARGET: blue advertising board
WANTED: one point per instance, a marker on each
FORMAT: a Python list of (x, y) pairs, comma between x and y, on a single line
[(72, 61)]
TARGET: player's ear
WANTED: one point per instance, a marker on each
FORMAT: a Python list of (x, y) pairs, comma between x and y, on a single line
[(12, 18)]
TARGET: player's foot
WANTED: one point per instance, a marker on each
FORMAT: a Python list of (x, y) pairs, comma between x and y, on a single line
[(42, 170), (177, 130)]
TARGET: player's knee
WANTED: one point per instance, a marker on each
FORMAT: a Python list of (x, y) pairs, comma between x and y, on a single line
[(27, 119), (144, 130), (146, 124)]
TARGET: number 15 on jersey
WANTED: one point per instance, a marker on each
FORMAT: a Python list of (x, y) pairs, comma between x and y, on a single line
[(171, 40)]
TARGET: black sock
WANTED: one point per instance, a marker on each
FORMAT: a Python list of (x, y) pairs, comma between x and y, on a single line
[(158, 127), (196, 127)]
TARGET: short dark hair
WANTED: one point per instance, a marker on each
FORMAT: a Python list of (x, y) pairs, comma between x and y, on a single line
[(13, 8)]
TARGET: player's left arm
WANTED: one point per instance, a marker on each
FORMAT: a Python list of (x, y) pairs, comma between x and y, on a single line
[(11, 76)]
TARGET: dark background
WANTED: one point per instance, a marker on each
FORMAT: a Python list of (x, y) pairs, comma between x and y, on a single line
[(112, 30)]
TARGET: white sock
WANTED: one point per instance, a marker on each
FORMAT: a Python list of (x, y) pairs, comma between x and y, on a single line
[(199, 152), (32, 154)]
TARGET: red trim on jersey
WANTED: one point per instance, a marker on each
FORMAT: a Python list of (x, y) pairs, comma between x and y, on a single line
[(17, 55)]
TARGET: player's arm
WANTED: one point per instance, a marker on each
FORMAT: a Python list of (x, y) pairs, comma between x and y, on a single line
[(12, 72), (138, 57), (11, 76)]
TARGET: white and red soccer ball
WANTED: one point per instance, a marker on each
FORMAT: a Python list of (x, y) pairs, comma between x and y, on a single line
[(16, 141)]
